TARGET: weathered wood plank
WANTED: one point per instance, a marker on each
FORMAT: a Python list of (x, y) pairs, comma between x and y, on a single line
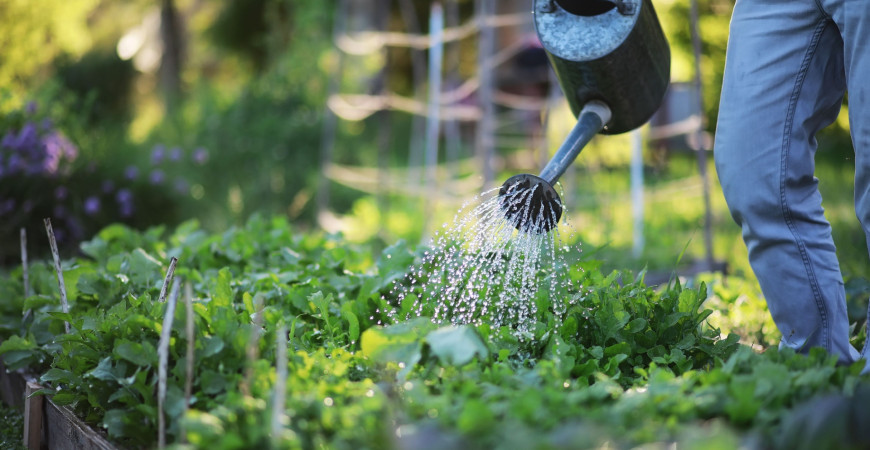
[(65, 431), (33, 416), (47, 425)]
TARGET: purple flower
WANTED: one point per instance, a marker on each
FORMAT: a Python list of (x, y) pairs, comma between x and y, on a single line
[(27, 137), (157, 154), (124, 196), (125, 202), (107, 186), (30, 109), (46, 124), (15, 164), (131, 172), (8, 140), (61, 192), (181, 185), (126, 210), (157, 176), (200, 155), (92, 205), (54, 148), (175, 154)]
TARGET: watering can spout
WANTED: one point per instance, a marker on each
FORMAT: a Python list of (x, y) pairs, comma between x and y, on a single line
[(530, 203), (613, 64)]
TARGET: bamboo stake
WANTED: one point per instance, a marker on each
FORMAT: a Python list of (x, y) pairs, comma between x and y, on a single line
[(25, 276), (170, 273), (280, 383), (163, 358), (253, 345), (189, 330), (54, 253)]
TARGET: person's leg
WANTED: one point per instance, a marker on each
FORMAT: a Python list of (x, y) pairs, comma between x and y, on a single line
[(783, 82), (853, 19)]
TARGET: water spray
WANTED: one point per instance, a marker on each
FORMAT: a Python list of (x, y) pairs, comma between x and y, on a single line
[(612, 62)]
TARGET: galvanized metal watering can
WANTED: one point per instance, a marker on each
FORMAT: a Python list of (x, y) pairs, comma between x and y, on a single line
[(613, 64)]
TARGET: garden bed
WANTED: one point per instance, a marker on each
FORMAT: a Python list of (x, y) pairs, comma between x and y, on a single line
[(295, 340), (47, 425)]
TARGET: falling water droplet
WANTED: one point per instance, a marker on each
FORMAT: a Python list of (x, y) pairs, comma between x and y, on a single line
[(487, 268)]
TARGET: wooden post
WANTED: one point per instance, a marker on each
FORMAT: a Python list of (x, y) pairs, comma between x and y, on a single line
[(700, 145), (33, 417), (486, 127), (167, 282), (433, 115), (280, 384), (418, 75), (25, 272), (163, 359), (54, 252), (330, 120)]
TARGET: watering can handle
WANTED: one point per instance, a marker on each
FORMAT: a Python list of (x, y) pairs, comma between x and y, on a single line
[(592, 118)]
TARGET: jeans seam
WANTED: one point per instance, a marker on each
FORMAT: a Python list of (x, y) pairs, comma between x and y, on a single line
[(822, 9), (786, 210)]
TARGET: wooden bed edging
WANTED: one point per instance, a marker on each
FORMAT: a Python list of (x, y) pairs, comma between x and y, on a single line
[(47, 425)]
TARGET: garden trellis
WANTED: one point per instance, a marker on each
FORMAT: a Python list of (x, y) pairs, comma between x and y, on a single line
[(443, 109)]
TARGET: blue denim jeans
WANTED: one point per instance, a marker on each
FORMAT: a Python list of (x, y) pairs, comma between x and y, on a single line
[(788, 65)]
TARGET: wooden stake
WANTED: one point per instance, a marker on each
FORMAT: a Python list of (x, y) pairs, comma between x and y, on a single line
[(33, 416), (25, 277), (253, 345), (280, 383), (189, 330), (170, 272), (163, 358), (53, 243)]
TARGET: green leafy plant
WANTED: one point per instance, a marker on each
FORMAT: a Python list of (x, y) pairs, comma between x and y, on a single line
[(628, 364)]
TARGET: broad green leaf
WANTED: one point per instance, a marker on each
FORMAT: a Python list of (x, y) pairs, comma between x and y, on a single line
[(636, 325), (688, 301), (113, 422), (55, 375), (104, 370), (144, 269), (17, 343), (222, 291), (142, 354), (213, 346), (212, 382), (401, 343), (475, 417), (456, 345), (248, 301), (65, 398)]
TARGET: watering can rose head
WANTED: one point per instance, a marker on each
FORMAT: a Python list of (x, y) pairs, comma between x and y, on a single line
[(530, 203)]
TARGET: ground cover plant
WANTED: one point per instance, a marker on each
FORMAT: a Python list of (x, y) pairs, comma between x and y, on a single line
[(629, 365)]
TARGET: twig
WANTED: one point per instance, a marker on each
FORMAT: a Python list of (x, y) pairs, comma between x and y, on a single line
[(163, 358), (25, 276), (188, 383), (280, 383), (170, 272), (53, 243), (253, 345)]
